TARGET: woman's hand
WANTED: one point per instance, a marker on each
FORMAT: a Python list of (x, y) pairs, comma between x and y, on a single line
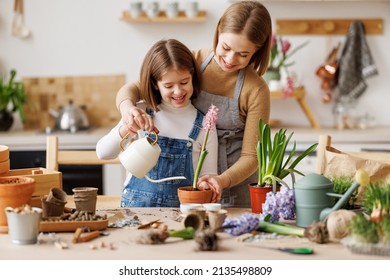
[(215, 183), (135, 118)]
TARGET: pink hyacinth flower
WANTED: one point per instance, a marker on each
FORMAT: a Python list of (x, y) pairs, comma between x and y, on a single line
[(285, 46), (211, 118)]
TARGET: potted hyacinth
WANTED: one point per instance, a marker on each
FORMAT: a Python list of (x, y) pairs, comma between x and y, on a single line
[(191, 194), (274, 164)]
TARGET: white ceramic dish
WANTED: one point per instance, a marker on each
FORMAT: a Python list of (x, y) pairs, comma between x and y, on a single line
[(212, 206), (185, 207)]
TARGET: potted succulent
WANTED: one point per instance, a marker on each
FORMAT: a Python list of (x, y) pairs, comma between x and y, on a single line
[(191, 194), (274, 163), (11, 93)]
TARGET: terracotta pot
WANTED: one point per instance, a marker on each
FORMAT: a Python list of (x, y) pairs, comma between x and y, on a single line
[(258, 196), (14, 192), (187, 195)]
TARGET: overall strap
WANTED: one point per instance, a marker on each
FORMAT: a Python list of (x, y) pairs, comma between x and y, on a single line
[(197, 126)]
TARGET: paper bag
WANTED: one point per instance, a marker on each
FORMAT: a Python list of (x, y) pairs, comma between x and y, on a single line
[(338, 163)]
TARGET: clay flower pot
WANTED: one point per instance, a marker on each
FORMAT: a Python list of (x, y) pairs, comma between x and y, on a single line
[(187, 195), (258, 196), (14, 192)]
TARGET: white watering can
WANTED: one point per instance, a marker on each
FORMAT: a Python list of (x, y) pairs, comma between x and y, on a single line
[(141, 156)]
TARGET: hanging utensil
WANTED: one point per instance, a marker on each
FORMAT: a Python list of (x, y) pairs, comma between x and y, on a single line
[(24, 31), (18, 28), (16, 19)]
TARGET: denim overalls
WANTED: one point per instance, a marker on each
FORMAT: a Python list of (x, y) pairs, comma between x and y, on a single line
[(175, 160), (230, 130)]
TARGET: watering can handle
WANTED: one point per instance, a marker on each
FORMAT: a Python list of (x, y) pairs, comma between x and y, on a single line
[(155, 131)]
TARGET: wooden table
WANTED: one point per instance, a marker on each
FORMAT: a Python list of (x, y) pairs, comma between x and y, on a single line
[(126, 249)]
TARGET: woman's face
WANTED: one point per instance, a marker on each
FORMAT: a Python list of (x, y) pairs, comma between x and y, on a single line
[(234, 51), (175, 87)]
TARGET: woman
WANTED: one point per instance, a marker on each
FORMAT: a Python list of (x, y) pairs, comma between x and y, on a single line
[(231, 81)]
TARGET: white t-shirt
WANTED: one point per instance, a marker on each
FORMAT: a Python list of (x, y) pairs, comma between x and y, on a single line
[(173, 123)]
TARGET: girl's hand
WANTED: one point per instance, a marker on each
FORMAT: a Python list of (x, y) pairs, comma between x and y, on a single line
[(135, 118)]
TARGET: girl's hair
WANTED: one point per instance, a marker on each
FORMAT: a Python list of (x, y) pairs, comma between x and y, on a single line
[(162, 57), (253, 20)]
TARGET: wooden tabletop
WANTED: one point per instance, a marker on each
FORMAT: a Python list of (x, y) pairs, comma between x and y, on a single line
[(125, 247)]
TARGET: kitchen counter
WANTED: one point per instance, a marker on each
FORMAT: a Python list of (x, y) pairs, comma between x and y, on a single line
[(123, 240), (33, 140)]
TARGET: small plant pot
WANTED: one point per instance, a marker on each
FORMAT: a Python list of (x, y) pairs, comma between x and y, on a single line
[(85, 199), (23, 228), (216, 219), (188, 195), (258, 196), (52, 209), (56, 196), (14, 192)]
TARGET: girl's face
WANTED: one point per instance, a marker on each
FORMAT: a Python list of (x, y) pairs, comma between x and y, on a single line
[(175, 87), (234, 51)]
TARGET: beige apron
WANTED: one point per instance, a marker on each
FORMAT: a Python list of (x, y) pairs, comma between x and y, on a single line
[(230, 129)]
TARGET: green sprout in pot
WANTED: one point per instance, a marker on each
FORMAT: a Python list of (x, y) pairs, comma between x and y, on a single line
[(340, 185), (364, 230), (272, 165)]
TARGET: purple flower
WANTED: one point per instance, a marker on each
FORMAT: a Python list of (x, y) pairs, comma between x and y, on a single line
[(279, 204), (247, 222)]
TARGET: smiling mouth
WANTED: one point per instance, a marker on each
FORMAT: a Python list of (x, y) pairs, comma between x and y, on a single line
[(180, 98), (228, 65)]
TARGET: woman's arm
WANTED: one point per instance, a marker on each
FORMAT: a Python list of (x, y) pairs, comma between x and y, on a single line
[(133, 117)]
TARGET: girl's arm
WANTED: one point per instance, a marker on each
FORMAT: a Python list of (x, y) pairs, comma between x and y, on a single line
[(108, 146)]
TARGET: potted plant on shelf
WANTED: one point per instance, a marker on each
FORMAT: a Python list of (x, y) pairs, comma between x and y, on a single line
[(11, 93), (191, 194), (274, 163)]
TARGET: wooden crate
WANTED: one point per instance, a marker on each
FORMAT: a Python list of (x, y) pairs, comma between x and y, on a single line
[(43, 182)]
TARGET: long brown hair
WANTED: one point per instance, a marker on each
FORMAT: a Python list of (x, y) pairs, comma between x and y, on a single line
[(253, 20), (163, 56)]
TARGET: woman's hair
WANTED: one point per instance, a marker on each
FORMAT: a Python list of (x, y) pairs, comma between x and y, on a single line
[(253, 20), (162, 57)]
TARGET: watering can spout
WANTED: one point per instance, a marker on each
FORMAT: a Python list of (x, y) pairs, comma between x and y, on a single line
[(344, 198)]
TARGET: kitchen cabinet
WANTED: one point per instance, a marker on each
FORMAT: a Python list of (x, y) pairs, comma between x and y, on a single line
[(162, 18)]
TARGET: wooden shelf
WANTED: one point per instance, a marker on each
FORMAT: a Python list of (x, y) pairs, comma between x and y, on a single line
[(373, 26), (162, 17), (299, 95)]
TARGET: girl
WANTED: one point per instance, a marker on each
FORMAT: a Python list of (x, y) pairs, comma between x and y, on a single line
[(231, 80), (169, 80)]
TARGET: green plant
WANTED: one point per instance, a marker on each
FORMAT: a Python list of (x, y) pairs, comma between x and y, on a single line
[(12, 92), (340, 185), (273, 165), (376, 198), (364, 230)]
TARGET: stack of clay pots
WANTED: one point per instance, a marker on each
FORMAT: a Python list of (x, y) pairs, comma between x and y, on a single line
[(15, 191)]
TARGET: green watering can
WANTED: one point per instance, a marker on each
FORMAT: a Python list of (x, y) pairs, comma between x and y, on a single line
[(314, 198)]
